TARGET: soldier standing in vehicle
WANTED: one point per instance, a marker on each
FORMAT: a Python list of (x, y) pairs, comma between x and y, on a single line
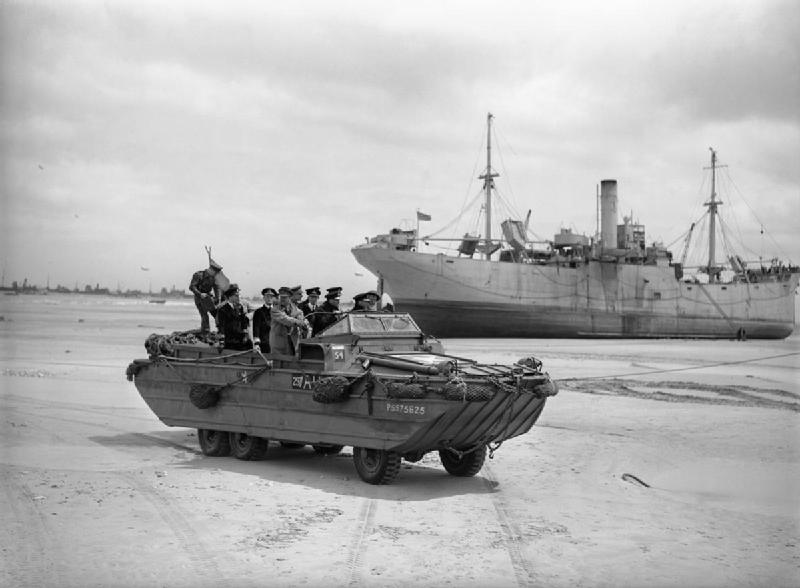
[(262, 320), (371, 300), (297, 295), (366, 302), (328, 312), (309, 305), (287, 324), (206, 293), (232, 321)]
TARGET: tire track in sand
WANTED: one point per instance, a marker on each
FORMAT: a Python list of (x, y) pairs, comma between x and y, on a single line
[(106, 427), (190, 541), (354, 558), (34, 551), (100, 409), (512, 535)]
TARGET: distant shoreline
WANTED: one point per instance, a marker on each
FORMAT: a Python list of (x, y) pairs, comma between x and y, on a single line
[(97, 291)]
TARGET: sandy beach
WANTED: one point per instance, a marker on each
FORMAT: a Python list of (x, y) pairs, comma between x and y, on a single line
[(659, 463)]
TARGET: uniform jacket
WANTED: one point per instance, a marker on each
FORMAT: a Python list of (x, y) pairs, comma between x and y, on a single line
[(327, 314), (306, 308), (261, 326), (232, 322), (287, 327), (204, 282)]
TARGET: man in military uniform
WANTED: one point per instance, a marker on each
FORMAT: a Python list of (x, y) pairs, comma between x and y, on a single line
[(232, 321), (206, 293), (309, 305), (297, 295), (262, 320), (328, 312), (366, 302), (371, 300), (358, 303), (287, 324)]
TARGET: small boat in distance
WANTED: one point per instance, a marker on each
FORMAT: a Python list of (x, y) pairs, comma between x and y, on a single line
[(158, 300), (610, 285)]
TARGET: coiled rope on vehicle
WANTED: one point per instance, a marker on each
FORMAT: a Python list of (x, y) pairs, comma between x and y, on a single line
[(207, 394)]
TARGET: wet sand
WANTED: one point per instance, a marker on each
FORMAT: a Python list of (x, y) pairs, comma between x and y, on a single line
[(97, 492)]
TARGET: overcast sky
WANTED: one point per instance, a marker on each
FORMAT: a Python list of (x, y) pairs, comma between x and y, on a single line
[(283, 133)]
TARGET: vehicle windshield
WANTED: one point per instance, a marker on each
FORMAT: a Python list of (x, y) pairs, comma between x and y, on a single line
[(375, 323), (369, 323)]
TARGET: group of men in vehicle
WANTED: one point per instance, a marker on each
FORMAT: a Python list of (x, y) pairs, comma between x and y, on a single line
[(280, 323)]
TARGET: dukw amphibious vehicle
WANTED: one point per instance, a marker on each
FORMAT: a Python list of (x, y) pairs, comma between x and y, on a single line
[(372, 381)]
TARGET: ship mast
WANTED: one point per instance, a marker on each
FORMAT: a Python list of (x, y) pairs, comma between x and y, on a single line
[(488, 186), (712, 217)]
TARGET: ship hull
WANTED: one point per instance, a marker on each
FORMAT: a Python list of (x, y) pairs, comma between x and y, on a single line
[(464, 297)]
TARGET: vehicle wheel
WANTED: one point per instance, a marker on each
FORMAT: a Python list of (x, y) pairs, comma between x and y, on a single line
[(290, 445), (468, 464), (214, 443), (327, 449), (247, 447), (376, 466)]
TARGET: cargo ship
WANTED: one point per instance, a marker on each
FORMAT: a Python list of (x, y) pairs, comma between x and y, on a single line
[(609, 285)]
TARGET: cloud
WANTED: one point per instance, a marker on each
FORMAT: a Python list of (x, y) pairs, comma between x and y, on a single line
[(279, 132)]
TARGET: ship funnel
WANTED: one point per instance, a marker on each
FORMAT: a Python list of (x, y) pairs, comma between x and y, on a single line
[(608, 214)]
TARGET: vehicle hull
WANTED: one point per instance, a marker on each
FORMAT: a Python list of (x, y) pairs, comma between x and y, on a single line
[(277, 403)]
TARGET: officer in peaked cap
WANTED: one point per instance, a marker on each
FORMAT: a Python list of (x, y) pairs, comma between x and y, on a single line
[(287, 324), (261, 320), (309, 305), (328, 312), (366, 302), (232, 321)]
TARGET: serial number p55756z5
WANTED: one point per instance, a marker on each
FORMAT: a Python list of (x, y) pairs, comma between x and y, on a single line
[(405, 408)]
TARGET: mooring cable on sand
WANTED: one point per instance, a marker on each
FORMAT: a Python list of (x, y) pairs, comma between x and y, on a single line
[(683, 369), (634, 480)]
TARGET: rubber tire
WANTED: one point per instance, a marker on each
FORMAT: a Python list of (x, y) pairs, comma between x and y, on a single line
[(214, 443), (248, 448), (291, 445), (467, 465), (328, 449), (377, 466)]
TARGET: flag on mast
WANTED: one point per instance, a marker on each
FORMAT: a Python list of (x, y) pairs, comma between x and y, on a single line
[(421, 216)]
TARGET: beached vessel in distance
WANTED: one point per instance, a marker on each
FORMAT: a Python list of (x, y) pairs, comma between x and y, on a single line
[(372, 381), (614, 285)]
